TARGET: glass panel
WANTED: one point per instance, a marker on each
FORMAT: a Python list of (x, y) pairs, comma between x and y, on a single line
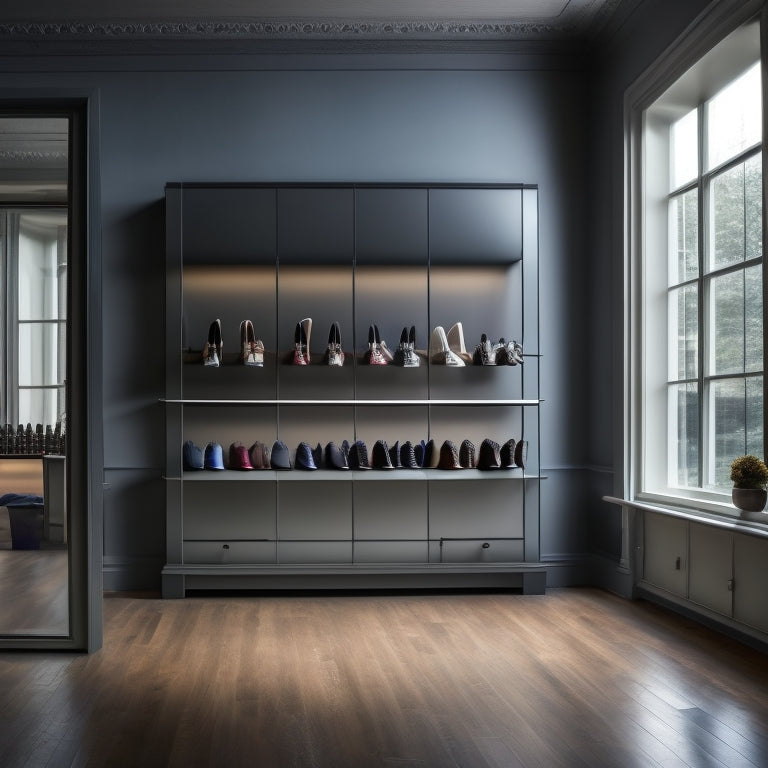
[(735, 215), (683, 438), (755, 436), (42, 265), (684, 333), (753, 321), (684, 237), (726, 324), (40, 363), (734, 118), (41, 406), (684, 149), (727, 428)]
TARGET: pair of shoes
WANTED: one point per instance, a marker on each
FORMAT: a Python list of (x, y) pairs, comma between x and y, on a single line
[(381, 456), (337, 457), (378, 353), (448, 349), (405, 355), (358, 456), (306, 458), (280, 457), (301, 338), (258, 453), (239, 458), (214, 457), (453, 458), (500, 353), (511, 454), (192, 457), (426, 454), (251, 348), (212, 350), (335, 354)]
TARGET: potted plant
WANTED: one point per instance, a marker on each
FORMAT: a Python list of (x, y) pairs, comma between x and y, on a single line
[(750, 477)]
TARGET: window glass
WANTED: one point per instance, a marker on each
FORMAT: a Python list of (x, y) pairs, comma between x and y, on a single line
[(684, 333), (734, 121), (684, 149), (683, 438), (684, 237)]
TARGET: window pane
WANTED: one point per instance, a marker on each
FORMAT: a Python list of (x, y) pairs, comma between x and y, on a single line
[(683, 438), (753, 325), (684, 149), (734, 118), (41, 406), (728, 411), (683, 237), (735, 215), (41, 354), (726, 324), (42, 265), (684, 332), (755, 437)]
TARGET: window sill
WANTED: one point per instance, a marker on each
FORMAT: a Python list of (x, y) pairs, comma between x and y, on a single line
[(753, 523)]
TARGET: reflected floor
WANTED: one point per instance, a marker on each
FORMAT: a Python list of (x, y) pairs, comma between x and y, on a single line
[(33, 588)]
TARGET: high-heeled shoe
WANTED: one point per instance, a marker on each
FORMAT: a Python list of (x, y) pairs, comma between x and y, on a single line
[(212, 351), (484, 352), (380, 458), (439, 351), (507, 455), (251, 348), (335, 354), (374, 355), (304, 458), (306, 327), (449, 456), (455, 338), (521, 453), (358, 456), (489, 457), (335, 457), (514, 353), (405, 355), (239, 458), (467, 454), (408, 456), (258, 453), (394, 455), (300, 351), (385, 350)]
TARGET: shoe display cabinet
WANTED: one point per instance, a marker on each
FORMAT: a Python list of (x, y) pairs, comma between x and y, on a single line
[(357, 254)]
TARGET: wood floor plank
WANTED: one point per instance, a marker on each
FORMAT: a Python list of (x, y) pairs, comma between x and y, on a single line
[(572, 678)]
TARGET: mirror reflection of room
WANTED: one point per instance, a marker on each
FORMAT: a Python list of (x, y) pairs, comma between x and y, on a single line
[(34, 563)]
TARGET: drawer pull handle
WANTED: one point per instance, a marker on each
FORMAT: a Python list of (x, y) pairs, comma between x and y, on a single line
[(677, 564), (730, 585), (486, 545), (225, 546)]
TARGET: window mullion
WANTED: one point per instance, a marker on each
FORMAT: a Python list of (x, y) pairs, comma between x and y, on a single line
[(703, 197)]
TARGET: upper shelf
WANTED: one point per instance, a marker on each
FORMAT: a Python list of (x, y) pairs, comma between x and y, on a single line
[(283, 401)]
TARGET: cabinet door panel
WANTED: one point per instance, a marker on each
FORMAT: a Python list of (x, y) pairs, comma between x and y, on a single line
[(391, 226), (475, 226), (221, 510), (314, 551), (390, 551), (481, 551), (315, 511), (750, 601), (711, 568), (229, 226), (490, 508), (316, 226), (665, 553), (229, 552), (391, 510)]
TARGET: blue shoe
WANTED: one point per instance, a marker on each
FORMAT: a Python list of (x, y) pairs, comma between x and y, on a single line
[(304, 457), (280, 457), (214, 456), (193, 456)]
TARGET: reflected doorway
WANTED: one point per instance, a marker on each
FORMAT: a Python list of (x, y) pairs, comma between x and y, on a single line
[(34, 238)]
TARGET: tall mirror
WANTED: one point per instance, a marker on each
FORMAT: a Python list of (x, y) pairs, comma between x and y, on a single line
[(34, 236)]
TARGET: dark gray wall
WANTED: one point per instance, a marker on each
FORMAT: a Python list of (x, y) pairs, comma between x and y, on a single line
[(372, 117), (646, 33)]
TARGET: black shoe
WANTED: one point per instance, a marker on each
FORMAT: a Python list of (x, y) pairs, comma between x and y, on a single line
[(193, 456), (358, 456), (304, 458), (489, 457), (507, 455), (335, 457), (467, 454), (521, 453), (380, 456), (408, 456), (394, 456), (280, 457), (449, 456), (431, 455)]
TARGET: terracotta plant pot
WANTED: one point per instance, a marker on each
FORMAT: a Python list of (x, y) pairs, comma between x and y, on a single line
[(749, 499)]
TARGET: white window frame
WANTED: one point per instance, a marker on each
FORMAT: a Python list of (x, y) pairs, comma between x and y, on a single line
[(703, 37)]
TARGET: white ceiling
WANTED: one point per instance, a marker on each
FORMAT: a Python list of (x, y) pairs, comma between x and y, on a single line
[(339, 18)]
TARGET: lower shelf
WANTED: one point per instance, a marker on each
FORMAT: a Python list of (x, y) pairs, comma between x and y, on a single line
[(180, 578)]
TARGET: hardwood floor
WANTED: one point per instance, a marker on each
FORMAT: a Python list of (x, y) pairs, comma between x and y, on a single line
[(572, 678)]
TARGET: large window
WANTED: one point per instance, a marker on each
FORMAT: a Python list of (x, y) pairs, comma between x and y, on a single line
[(700, 357)]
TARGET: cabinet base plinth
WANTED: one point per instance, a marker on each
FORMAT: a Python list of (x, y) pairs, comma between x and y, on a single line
[(529, 578)]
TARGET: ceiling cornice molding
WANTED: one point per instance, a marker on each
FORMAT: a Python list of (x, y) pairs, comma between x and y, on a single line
[(304, 29)]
